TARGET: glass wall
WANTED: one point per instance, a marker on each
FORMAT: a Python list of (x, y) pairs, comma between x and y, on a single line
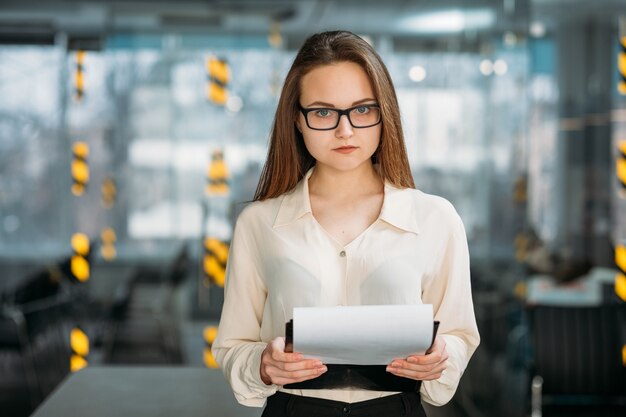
[(150, 127), (32, 149)]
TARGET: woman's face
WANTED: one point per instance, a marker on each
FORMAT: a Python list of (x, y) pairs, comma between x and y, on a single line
[(338, 86)]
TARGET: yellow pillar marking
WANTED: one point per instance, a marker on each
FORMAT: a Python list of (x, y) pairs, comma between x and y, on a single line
[(620, 286), (210, 333), (79, 342), (77, 363), (620, 258), (209, 360)]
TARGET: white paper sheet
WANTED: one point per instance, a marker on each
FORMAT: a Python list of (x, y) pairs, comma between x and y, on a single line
[(362, 335)]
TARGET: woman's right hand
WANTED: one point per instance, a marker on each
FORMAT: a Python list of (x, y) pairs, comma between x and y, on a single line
[(281, 368)]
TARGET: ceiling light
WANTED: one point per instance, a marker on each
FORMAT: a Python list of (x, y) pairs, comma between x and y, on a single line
[(234, 103), (417, 73), (448, 21), (486, 67), (537, 30), (500, 67), (510, 39)]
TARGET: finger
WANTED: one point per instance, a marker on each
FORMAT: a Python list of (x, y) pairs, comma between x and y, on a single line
[(420, 376), (277, 348), (281, 377), (268, 361), (299, 365), (400, 365), (431, 359), (417, 367), (430, 374), (271, 357), (286, 357), (280, 356), (278, 344)]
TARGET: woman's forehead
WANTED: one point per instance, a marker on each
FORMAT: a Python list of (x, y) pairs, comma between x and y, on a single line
[(339, 84)]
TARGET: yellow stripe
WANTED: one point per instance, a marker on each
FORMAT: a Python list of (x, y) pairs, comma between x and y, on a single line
[(81, 149), (77, 363), (219, 249), (621, 88), (620, 286), (80, 243), (80, 171), (213, 266), (621, 63), (218, 170), (620, 167), (108, 251), (217, 94), (209, 360), (108, 235), (80, 268), (80, 81), (623, 40), (220, 189), (79, 342), (219, 70), (210, 333), (108, 188), (214, 270), (78, 189), (624, 355), (621, 146), (620, 258)]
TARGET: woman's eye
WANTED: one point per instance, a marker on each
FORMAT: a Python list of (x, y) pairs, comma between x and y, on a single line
[(362, 109), (323, 113)]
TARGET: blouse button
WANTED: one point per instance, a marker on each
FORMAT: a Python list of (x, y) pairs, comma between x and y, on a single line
[(342, 253)]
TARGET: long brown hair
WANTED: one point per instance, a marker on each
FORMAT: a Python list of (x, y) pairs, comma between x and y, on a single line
[(288, 159)]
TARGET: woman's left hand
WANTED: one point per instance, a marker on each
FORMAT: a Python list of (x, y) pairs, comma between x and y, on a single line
[(422, 367)]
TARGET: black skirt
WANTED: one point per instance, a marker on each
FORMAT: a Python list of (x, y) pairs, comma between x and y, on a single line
[(288, 405)]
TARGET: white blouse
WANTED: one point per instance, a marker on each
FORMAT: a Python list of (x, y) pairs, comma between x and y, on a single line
[(280, 258)]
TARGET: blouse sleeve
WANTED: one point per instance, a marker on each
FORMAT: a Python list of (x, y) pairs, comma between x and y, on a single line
[(238, 347), (449, 291)]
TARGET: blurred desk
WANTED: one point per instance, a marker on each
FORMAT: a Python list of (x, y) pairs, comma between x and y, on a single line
[(144, 391)]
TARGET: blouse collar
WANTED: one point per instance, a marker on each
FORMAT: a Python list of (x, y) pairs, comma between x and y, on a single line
[(399, 206)]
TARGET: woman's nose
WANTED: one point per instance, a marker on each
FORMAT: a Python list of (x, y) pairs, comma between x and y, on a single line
[(344, 129)]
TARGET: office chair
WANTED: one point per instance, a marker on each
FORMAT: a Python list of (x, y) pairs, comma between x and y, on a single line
[(143, 313), (577, 356)]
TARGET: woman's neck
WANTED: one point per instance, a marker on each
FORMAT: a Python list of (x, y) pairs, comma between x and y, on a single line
[(330, 183)]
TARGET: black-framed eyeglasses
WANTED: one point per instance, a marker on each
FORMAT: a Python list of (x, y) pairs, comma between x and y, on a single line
[(324, 118)]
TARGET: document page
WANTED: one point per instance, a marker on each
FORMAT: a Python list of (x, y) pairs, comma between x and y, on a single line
[(362, 335)]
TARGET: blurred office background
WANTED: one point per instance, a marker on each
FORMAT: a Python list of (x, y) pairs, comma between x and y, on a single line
[(132, 133)]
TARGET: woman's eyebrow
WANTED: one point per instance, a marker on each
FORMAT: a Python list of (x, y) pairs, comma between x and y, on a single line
[(324, 104), (363, 101)]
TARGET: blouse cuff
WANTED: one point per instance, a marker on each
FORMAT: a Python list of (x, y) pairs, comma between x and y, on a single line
[(440, 391), (251, 376)]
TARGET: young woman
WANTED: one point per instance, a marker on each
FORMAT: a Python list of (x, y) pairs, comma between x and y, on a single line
[(337, 221)]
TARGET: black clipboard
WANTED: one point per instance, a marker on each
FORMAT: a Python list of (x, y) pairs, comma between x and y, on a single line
[(367, 377)]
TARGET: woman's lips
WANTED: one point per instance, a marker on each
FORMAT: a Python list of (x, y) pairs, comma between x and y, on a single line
[(346, 149)]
